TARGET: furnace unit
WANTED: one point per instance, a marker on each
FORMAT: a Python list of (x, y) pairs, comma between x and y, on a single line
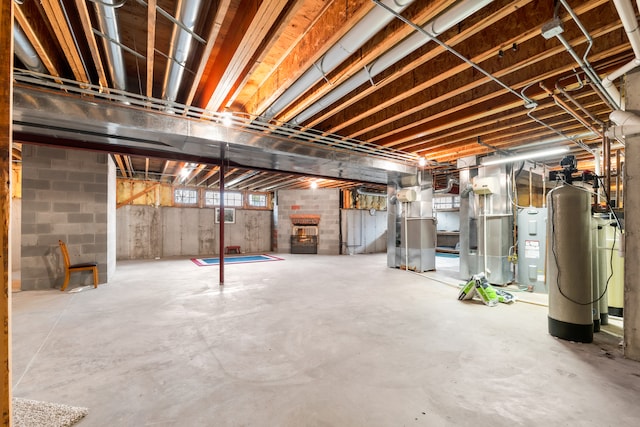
[(486, 223), (411, 231)]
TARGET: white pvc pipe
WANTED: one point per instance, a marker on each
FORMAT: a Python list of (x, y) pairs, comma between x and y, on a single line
[(357, 36), (484, 243), (630, 23), (435, 27), (406, 236), (598, 171), (624, 118)]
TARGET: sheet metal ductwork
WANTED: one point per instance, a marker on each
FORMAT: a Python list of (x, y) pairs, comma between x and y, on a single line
[(179, 51), (437, 26), (108, 25), (366, 28), (411, 226), (25, 52), (450, 183), (630, 23)]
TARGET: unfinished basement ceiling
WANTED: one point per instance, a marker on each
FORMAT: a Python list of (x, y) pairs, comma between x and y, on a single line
[(352, 69)]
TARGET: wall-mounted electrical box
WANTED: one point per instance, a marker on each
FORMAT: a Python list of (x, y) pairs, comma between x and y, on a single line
[(485, 185)]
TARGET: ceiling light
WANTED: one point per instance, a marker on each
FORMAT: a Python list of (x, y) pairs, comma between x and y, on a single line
[(185, 172), (226, 118), (422, 161), (314, 185), (524, 156)]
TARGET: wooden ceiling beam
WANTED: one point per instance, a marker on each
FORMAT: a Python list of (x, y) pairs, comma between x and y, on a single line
[(487, 101), (405, 69), (251, 181), (506, 144), (85, 20), (334, 22), (214, 33), (32, 26), (481, 127), (249, 50), (434, 67), (270, 179), (178, 171), (194, 173), (459, 79), (129, 166), (276, 47), (368, 54), (219, 62), (165, 168), (209, 174), (509, 122), (56, 16), (528, 134), (120, 163), (245, 180), (151, 45)]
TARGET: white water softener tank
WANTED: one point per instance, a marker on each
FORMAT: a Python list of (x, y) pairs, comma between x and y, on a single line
[(569, 264)]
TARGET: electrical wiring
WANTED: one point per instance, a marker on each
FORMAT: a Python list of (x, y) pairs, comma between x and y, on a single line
[(509, 192)]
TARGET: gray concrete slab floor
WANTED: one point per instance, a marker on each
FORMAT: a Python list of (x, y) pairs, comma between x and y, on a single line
[(308, 341)]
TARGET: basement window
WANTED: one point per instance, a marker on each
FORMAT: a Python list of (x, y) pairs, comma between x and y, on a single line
[(184, 196), (231, 199), (258, 200), (446, 202)]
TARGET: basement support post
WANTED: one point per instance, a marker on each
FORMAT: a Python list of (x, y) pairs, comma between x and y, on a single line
[(632, 227), (6, 102), (222, 172)]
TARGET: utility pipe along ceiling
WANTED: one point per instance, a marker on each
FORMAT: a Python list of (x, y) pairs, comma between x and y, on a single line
[(332, 91)]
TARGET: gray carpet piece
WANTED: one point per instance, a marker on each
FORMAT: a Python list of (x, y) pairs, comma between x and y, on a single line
[(32, 413)]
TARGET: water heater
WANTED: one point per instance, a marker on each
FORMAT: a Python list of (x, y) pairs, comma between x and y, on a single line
[(568, 256)]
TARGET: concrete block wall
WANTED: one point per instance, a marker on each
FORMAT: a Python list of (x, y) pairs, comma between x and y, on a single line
[(323, 202), (147, 232), (64, 197)]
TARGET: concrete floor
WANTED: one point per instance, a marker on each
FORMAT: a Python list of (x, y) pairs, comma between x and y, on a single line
[(309, 341)]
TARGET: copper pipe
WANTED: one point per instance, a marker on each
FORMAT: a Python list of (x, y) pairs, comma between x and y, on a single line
[(606, 151), (222, 155), (618, 178), (562, 104)]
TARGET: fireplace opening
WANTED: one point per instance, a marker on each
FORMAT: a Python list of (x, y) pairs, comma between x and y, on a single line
[(304, 234)]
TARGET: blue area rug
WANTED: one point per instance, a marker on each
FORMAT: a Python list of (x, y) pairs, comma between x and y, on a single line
[(235, 259), (447, 255)]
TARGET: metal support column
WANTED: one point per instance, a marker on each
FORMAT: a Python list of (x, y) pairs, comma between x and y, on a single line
[(222, 172)]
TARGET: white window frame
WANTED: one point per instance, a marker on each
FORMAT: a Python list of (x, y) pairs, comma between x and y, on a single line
[(263, 200), (185, 196), (232, 199)]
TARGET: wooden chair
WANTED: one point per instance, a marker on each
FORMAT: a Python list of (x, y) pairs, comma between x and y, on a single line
[(70, 268)]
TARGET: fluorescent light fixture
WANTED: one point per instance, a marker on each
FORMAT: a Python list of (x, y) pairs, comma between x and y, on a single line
[(552, 28), (525, 156)]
